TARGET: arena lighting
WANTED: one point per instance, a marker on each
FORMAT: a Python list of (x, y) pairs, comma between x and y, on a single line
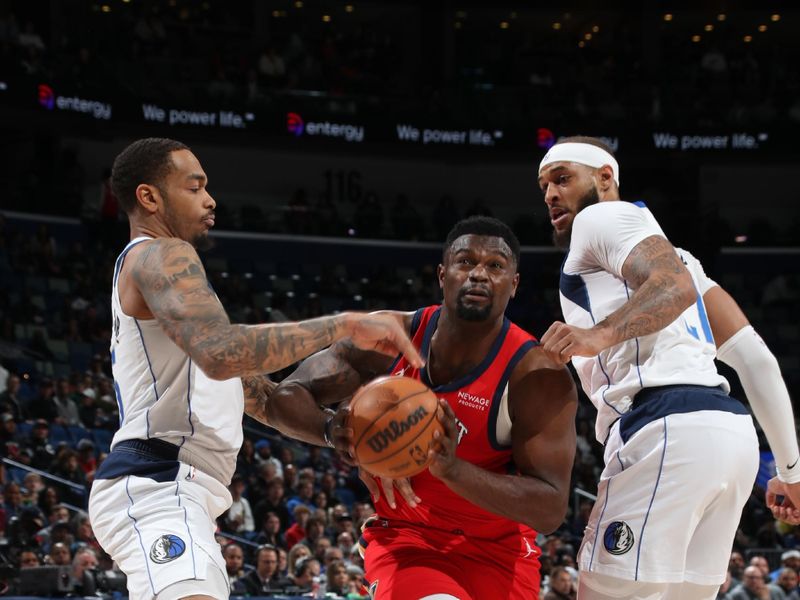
[(326, 18), (349, 8), (298, 4), (721, 17), (696, 38), (668, 17), (747, 39), (105, 8), (581, 44), (709, 27), (457, 25), (503, 24), (595, 28), (587, 37), (556, 25), (774, 18), (762, 28)]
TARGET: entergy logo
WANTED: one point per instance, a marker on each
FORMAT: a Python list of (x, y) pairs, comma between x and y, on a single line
[(46, 96), (295, 124)]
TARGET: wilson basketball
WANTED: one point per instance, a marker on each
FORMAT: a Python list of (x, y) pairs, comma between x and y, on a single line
[(393, 420)]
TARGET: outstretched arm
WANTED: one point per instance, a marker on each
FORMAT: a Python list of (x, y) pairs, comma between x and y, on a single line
[(663, 289), (172, 282), (758, 370), (544, 402)]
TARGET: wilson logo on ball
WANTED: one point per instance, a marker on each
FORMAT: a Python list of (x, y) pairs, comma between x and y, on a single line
[(395, 429)]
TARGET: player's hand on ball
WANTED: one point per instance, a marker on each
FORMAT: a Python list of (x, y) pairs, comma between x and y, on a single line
[(443, 452), (388, 485), (383, 332), (787, 510)]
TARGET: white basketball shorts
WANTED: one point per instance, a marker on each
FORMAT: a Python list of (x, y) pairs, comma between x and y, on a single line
[(160, 533), (670, 499)]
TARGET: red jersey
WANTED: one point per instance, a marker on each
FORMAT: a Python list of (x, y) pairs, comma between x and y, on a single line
[(475, 398)]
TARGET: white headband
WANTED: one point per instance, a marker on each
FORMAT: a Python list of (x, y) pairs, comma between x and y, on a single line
[(584, 154)]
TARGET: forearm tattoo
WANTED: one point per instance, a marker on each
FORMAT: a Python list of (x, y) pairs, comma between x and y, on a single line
[(173, 283)]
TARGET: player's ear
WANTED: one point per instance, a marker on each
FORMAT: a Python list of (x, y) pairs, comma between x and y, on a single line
[(147, 197), (605, 178), (514, 284), (440, 275)]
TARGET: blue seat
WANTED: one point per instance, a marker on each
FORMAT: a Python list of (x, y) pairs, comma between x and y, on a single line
[(77, 433), (102, 439), (58, 434)]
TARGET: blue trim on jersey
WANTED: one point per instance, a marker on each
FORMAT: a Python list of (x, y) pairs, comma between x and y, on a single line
[(652, 498), (494, 409), (574, 289), (651, 404), (639, 203), (121, 258), (619, 460), (638, 370), (117, 391), (599, 521), (153, 375), (139, 533), (189, 401), (154, 459), (186, 522), (701, 309), (474, 373)]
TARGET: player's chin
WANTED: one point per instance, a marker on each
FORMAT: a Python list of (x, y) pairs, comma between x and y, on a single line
[(203, 241), (473, 312)]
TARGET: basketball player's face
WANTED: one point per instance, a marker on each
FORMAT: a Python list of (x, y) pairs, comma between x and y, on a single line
[(188, 207), (568, 188), (479, 277)]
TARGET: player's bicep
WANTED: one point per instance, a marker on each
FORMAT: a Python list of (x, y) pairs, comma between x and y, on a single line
[(171, 279), (724, 315), (543, 430), (654, 256)]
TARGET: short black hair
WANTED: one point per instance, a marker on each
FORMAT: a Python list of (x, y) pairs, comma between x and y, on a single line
[(481, 225), (585, 139), (144, 161)]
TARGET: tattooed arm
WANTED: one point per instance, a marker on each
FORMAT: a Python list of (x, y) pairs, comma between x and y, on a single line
[(325, 379), (257, 391), (663, 289), (172, 282)]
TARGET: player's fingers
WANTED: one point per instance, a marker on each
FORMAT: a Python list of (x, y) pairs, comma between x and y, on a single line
[(400, 340), (371, 484), (407, 492), (551, 332), (447, 418), (388, 491)]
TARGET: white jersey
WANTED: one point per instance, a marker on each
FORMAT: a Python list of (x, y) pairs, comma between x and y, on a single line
[(592, 287), (163, 395)]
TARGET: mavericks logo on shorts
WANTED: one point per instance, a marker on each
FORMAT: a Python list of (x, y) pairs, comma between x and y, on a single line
[(618, 538), (166, 548)]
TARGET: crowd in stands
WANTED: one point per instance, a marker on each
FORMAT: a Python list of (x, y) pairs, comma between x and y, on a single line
[(633, 65), (297, 511)]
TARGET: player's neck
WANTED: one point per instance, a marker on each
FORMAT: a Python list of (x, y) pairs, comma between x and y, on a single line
[(458, 346), (149, 228)]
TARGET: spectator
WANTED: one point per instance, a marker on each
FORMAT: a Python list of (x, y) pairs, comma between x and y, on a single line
[(12, 502), (66, 466), (789, 559), (86, 459), (43, 453), (263, 455), (306, 571), (753, 587), (265, 577), (28, 559), (296, 552), (42, 406), (84, 562), (272, 500), (239, 517), (787, 581), (9, 399), (270, 532), (64, 402), (59, 555), (234, 563), (297, 531), (561, 585), (336, 578)]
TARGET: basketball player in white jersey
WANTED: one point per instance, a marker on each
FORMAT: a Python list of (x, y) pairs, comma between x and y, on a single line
[(680, 454), (184, 375)]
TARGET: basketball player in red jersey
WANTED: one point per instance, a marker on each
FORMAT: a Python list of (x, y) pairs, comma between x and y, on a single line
[(502, 469)]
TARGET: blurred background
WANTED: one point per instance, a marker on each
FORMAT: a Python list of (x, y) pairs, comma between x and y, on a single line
[(342, 141)]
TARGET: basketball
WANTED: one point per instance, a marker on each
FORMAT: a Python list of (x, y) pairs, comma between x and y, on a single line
[(393, 420)]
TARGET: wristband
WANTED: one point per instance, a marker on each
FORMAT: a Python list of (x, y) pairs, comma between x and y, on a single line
[(326, 431)]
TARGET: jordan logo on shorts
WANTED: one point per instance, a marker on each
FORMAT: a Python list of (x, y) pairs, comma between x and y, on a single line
[(166, 548), (618, 538)]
